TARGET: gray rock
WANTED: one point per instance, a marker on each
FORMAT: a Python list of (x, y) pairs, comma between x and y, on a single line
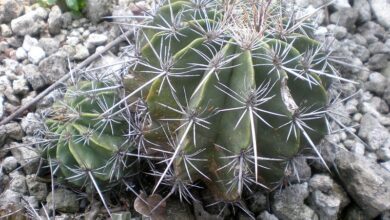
[(9, 196), (10, 9), (365, 181), (29, 42), (384, 153), (73, 41), (378, 61), (97, 9), (20, 86), (64, 201), (288, 203), (372, 131), (379, 47), (339, 32), (257, 202), (9, 164), (354, 212), (66, 19), (1, 107), (372, 32), (340, 5), (386, 94), (5, 30), (55, 20), (28, 24), (81, 52), (30, 201), (27, 156), (386, 165), (49, 45), (36, 188), (36, 54), (53, 67), (376, 83), (33, 76), (266, 216), (14, 131), (96, 39), (3, 46), (299, 170), (380, 9), (345, 18), (18, 183), (21, 54), (358, 148), (364, 10), (327, 197), (32, 124), (326, 206)]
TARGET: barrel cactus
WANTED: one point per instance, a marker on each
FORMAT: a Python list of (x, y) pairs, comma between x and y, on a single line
[(227, 93), (234, 91)]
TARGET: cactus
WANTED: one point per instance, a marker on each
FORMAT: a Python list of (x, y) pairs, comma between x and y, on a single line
[(86, 146), (226, 93), (234, 92)]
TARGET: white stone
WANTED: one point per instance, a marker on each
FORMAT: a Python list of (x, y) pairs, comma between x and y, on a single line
[(20, 54), (36, 54), (381, 10), (29, 42), (97, 39), (1, 106), (73, 41), (81, 52)]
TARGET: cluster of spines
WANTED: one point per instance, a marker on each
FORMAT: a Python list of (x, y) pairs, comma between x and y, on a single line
[(159, 129)]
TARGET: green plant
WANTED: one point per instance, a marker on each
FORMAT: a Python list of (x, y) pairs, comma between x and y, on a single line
[(73, 5), (226, 93)]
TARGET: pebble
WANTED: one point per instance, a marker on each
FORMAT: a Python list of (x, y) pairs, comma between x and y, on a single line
[(5, 30), (33, 76), (96, 39), (36, 188), (81, 52), (55, 20), (29, 42), (1, 108), (9, 164), (20, 86), (36, 54), (64, 201), (53, 67), (21, 54), (49, 45)]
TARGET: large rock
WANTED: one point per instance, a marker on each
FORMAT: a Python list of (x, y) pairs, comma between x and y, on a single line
[(381, 9), (364, 10), (36, 188), (53, 67), (27, 156), (33, 76), (28, 24), (365, 181), (10, 9), (289, 203)]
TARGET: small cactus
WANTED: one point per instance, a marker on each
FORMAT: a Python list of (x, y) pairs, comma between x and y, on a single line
[(226, 93), (85, 145)]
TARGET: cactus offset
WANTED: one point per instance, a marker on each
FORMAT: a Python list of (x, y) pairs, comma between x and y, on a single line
[(85, 145)]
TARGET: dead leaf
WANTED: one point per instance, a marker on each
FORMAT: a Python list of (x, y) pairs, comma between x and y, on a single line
[(144, 205)]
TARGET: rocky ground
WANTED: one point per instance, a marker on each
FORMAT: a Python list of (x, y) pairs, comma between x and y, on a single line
[(39, 45)]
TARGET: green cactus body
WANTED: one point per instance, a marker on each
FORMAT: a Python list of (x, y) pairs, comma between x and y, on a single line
[(84, 141), (228, 96)]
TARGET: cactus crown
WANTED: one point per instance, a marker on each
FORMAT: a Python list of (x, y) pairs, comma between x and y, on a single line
[(227, 93)]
